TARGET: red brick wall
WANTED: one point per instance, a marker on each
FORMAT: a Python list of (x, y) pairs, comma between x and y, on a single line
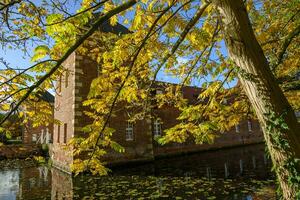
[(69, 110), (140, 147), (64, 112), (29, 131), (168, 115)]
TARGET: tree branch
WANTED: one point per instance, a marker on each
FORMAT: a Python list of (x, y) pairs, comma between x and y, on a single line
[(286, 44), (125, 79), (216, 92), (4, 6), (25, 70), (96, 6), (182, 36), (94, 27), (216, 31)]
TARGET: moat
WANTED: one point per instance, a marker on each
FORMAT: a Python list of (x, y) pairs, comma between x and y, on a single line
[(242, 173)]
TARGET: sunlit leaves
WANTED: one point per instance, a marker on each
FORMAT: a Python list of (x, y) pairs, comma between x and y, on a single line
[(40, 52), (137, 22), (127, 65), (273, 26)]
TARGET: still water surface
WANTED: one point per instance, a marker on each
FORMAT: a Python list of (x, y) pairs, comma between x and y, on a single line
[(241, 173)]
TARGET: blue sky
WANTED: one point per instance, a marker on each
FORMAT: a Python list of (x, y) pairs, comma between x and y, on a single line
[(16, 59)]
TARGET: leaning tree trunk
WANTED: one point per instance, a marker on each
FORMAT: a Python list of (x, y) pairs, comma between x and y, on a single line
[(277, 118)]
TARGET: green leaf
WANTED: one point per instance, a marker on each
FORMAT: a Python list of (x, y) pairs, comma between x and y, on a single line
[(115, 146), (40, 52)]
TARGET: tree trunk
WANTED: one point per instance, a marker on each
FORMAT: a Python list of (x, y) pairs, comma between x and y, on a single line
[(271, 106)]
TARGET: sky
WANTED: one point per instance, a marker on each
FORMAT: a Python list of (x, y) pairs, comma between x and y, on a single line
[(16, 59)]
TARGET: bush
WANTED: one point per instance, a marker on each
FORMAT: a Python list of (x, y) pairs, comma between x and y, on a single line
[(3, 138), (45, 150), (14, 142)]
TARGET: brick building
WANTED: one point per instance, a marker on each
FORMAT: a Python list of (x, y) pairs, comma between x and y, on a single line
[(40, 134), (26, 132), (137, 138)]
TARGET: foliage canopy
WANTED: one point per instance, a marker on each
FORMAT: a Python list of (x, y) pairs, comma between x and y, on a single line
[(177, 38)]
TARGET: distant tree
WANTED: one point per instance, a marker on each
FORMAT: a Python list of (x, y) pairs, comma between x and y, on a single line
[(10, 128), (183, 38)]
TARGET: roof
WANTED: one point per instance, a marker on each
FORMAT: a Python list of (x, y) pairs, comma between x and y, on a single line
[(46, 96), (106, 27)]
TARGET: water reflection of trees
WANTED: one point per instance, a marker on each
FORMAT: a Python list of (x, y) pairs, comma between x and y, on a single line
[(249, 162)]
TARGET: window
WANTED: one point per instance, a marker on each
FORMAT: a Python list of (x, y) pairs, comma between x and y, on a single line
[(129, 131), (58, 133), (237, 128), (33, 137), (67, 79), (249, 126), (65, 133), (298, 76), (59, 83), (259, 126), (157, 127), (98, 70), (159, 91)]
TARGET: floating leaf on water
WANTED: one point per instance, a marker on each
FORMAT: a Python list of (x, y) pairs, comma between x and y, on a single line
[(211, 198)]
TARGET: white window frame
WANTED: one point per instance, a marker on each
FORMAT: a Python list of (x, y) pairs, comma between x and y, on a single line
[(157, 130), (249, 123), (34, 138), (129, 131), (298, 76), (237, 128), (159, 91)]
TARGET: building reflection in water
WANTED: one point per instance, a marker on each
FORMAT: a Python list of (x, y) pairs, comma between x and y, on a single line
[(33, 182), (45, 183), (226, 170), (62, 185), (249, 161)]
